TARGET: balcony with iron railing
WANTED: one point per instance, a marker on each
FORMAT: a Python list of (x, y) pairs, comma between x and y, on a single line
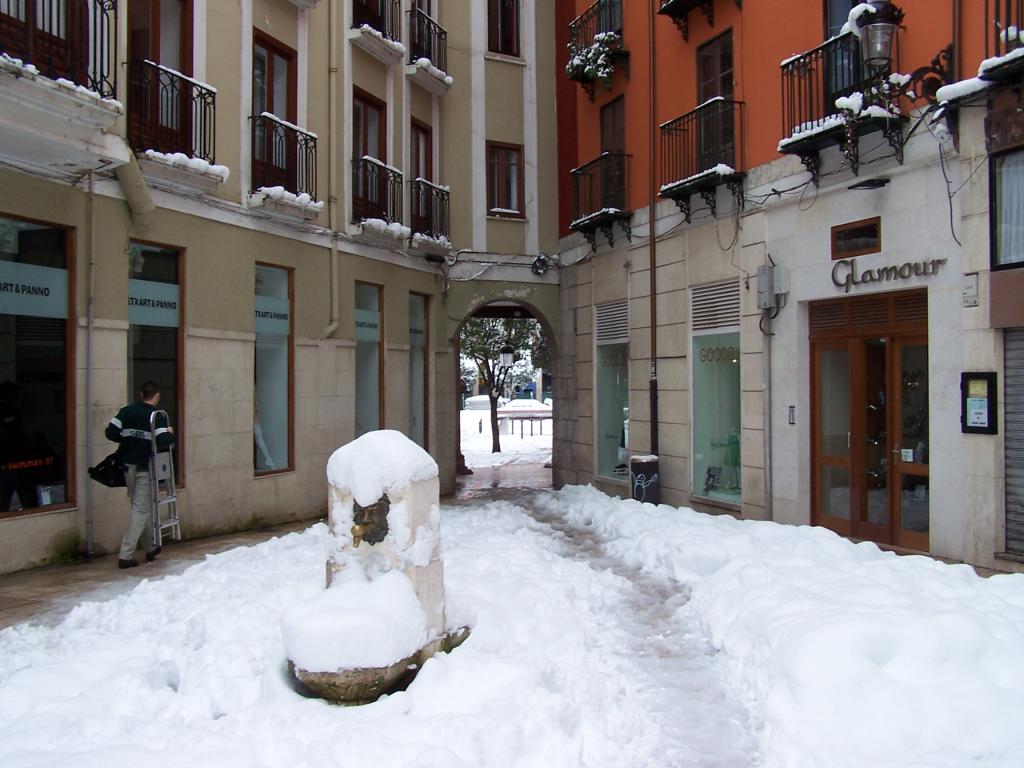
[(376, 191), (376, 28), (595, 44), (1008, 38), (169, 112), (73, 40), (701, 151), (600, 197), (58, 85), (811, 84), (283, 156), (429, 214), (428, 53)]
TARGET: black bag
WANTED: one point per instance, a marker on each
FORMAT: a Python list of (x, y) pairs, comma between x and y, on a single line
[(109, 472)]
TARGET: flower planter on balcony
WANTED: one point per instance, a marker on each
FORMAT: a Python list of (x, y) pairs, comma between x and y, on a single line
[(600, 198), (376, 29), (702, 151), (595, 45)]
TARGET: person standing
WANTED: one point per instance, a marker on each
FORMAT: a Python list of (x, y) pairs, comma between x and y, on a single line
[(130, 429)]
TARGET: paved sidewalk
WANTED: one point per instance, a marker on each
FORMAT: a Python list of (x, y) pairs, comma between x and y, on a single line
[(45, 595)]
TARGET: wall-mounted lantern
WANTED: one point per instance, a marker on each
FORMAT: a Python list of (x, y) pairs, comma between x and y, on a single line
[(878, 29)]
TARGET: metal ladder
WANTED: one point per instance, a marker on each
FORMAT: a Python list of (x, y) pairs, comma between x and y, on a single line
[(162, 491)]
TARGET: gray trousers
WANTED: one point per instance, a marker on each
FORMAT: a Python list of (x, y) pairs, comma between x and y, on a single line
[(140, 524)]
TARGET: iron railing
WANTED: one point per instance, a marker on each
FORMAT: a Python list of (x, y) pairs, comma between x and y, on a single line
[(382, 15), (376, 191), (710, 135), (170, 112), (813, 81), (1009, 15), (74, 40), (428, 40), (601, 187), (283, 155), (429, 204), (602, 16)]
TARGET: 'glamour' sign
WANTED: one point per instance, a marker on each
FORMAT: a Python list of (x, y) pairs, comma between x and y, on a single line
[(845, 274)]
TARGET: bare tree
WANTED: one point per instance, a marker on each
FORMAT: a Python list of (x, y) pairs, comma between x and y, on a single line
[(482, 340)]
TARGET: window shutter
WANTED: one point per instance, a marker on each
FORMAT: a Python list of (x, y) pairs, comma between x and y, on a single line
[(715, 306), (612, 323)]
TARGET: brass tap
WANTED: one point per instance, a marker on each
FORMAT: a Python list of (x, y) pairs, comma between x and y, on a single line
[(358, 531)]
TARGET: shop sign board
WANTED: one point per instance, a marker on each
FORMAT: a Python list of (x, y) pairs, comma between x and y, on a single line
[(272, 316), (28, 289), (153, 303), (846, 274)]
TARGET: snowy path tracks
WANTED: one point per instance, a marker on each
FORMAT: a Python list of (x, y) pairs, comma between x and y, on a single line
[(701, 721)]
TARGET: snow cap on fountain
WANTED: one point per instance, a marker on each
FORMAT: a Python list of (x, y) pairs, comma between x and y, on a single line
[(378, 463)]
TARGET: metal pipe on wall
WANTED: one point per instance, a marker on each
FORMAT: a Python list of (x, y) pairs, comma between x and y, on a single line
[(332, 171), (652, 238), (89, 314)]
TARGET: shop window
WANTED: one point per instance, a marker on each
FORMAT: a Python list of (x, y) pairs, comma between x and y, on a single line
[(369, 359), (504, 180), (503, 27), (612, 410), (857, 238), (418, 368), (717, 470), (272, 426), (35, 431), (154, 337), (1008, 216)]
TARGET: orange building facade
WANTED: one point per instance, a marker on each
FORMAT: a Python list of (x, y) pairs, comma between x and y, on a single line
[(825, 263)]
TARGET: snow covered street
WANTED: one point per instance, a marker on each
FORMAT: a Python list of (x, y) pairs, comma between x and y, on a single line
[(605, 633)]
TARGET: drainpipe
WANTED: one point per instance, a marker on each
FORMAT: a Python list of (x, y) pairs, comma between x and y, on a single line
[(332, 171), (652, 238), (956, 40), (89, 315), (766, 386), (136, 193)]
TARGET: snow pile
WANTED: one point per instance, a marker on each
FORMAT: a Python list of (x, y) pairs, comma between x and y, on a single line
[(393, 229), (595, 215), (396, 47), (286, 124), (811, 128), (420, 240), (997, 61), (594, 62), (356, 623), (853, 656), (961, 89), (20, 68), (282, 195), (852, 20), (528, 449), (719, 170), (380, 462), (16, 63), (193, 164), (428, 66)]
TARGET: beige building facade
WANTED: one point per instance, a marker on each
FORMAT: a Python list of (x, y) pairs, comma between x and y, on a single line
[(282, 210)]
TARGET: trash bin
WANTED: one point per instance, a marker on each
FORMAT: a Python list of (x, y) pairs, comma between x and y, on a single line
[(644, 478)]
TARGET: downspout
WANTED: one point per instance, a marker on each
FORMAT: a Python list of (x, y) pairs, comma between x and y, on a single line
[(89, 317), (332, 171), (766, 386), (652, 238), (136, 193), (956, 41)]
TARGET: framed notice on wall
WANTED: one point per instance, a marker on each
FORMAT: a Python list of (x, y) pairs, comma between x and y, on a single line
[(978, 403)]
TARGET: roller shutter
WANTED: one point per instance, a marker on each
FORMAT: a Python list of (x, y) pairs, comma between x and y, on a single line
[(1014, 412)]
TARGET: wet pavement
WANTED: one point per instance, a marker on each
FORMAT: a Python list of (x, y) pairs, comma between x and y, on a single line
[(45, 595)]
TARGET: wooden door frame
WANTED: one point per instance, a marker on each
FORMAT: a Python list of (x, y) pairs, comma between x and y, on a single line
[(369, 100), (904, 538), (291, 370), (276, 46), (842, 526)]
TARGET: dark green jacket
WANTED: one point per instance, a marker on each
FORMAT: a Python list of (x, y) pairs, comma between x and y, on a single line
[(131, 430)]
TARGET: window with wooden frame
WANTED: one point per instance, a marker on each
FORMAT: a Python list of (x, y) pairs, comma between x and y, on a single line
[(273, 413), (161, 31), (273, 78), (1007, 205), (421, 165), (503, 27), (857, 238), (156, 344), (37, 367), (504, 180), (369, 126)]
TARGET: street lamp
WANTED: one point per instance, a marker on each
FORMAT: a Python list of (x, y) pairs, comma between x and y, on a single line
[(877, 31), (508, 356)]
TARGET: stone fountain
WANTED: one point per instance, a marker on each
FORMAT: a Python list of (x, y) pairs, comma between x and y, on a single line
[(382, 613)]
